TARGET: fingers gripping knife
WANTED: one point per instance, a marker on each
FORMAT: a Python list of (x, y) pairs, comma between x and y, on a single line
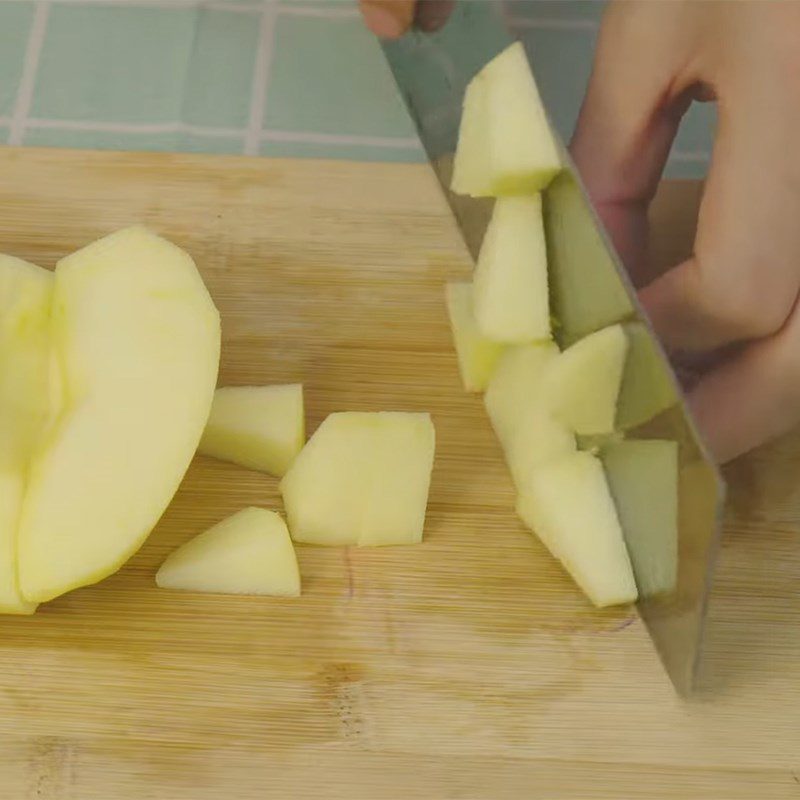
[(589, 290)]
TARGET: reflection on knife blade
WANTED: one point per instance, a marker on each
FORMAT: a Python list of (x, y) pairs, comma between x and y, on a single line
[(589, 291)]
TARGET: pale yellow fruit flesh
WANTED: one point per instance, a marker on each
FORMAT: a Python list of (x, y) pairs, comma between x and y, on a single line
[(586, 291), (511, 301), (247, 553), (567, 503), (527, 432), (505, 144), (476, 354), (582, 384), (136, 341), (25, 298), (362, 478), (471, 170), (647, 386), (643, 476), (259, 427)]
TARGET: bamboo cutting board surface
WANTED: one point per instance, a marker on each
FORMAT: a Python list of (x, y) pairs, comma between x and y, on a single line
[(467, 667)]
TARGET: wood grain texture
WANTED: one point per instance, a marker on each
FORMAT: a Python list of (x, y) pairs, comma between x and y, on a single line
[(467, 667)]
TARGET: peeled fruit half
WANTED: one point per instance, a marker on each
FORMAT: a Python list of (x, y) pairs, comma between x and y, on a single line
[(25, 296), (582, 384), (247, 553), (476, 354), (567, 503), (643, 476), (362, 478), (505, 145), (135, 343), (260, 427), (511, 301), (519, 414)]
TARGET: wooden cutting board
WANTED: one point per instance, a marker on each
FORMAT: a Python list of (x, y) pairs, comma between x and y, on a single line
[(468, 667)]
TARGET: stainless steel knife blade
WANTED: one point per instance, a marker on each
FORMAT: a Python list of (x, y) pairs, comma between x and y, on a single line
[(590, 289)]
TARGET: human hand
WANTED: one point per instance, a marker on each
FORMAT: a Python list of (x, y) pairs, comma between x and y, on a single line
[(390, 19), (738, 293)]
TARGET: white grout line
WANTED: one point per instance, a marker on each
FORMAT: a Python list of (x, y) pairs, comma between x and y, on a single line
[(234, 8), (552, 23), (324, 13), (30, 66), (306, 137), (261, 69), (341, 139), (124, 127)]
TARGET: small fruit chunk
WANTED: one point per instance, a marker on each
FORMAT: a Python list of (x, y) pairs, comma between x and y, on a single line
[(25, 296), (647, 387), (135, 346), (511, 303), (248, 553), (260, 427), (477, 355), (505, 144), (527, 432), (362, 478), (587, 292), (568, 505), (643, 476), (583, 383)]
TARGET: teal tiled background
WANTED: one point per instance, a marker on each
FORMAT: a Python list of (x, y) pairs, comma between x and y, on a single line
[(15, 24), (298, 78)]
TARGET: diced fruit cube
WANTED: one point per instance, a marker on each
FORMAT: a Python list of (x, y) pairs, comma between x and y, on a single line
[(260, 427), (476, 354), (643, 476), (248, 553), (25, 297), (568, 505), (505, 144), (527, 432), (511, 302), (135, 340), (582, 384), (362, 478)]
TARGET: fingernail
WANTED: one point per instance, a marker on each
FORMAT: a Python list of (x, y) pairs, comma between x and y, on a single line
[(383, 23)]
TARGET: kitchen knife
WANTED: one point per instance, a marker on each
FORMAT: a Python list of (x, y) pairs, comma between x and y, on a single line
[(590, 289)]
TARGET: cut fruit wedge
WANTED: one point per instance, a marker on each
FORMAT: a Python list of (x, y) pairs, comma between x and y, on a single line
[(647, 387), (135, 340), (476, 354), (505, 144), (527, 432), (516, 386), (582, 384), (586, 290), (259, 427), (567, 503), (362, 478), (25, 299), (643, 476), (511, 302), (248, 553)]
